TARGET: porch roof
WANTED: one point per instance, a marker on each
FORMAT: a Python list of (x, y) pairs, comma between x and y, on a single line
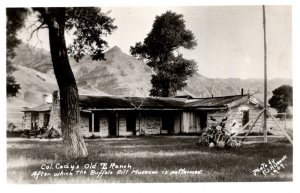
[(216, 102), (152, 103), (40, 108), (108, 102), (93, 102)]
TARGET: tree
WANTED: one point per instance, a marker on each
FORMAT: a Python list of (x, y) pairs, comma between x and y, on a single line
[(282, 98), (88, 25), (15, 21), (160, 50)]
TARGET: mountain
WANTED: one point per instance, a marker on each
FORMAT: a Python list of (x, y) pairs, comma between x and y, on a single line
[(123, 75), (120, 74)]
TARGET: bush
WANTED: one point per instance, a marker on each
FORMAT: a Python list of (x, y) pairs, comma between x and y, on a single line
[(92, 137), (14, 133), (11, 126)]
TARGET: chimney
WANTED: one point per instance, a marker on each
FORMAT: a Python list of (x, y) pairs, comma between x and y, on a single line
[(55, 121), (212, 96), (55, 97), (242, 91), (47, 98)]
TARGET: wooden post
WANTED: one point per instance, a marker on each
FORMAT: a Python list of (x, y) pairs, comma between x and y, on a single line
[(285, 127), (161, 120), (140, 123), (93, 123), (265, 76), (117, 124), (181, 122)]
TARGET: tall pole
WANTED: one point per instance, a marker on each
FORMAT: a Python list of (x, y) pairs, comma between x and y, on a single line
[(265, 76)]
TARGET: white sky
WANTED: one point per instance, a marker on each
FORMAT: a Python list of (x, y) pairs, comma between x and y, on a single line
[(230, 38)]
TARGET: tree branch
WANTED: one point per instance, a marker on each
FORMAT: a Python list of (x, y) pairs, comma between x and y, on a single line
[(36, 30)]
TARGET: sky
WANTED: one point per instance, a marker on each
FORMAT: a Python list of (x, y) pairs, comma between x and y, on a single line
[(230, 38)]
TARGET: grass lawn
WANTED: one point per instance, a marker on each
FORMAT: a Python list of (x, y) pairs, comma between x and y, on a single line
[(163, 153)]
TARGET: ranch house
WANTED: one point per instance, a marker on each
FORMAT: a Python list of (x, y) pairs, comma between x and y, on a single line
[(109, 116)]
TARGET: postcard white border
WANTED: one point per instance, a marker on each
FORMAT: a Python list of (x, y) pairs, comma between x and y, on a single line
[(146, 187)]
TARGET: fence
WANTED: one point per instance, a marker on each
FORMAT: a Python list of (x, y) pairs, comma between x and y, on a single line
[(274, 133)]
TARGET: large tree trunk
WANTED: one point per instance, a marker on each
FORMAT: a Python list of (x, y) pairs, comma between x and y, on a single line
[(171, 90), (69, 99), (168, 89)]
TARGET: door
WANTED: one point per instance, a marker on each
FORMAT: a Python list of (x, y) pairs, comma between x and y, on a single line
[(112, 122), (168, 123), (96, 122), (203, 119), (34, 120), (46, 120), (245, 118), (131, 123)]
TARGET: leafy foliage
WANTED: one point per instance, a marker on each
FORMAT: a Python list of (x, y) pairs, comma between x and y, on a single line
[(282, 98), (160, 51), (12, 88), (14, 22), (89, 25)]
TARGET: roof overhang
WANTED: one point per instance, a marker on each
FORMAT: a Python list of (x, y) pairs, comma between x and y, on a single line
[(206, 108), (132, 109), (37, 111), (243, 100)]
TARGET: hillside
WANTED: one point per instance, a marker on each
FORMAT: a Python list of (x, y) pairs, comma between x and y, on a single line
[(31, 57), (205, 87)]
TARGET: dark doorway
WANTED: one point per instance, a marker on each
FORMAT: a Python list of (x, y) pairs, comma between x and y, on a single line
[(112, 122), (96, 122), (34, 120), (168, 123), (203, 119), (245, 118), (46, 120), (131, 123)]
